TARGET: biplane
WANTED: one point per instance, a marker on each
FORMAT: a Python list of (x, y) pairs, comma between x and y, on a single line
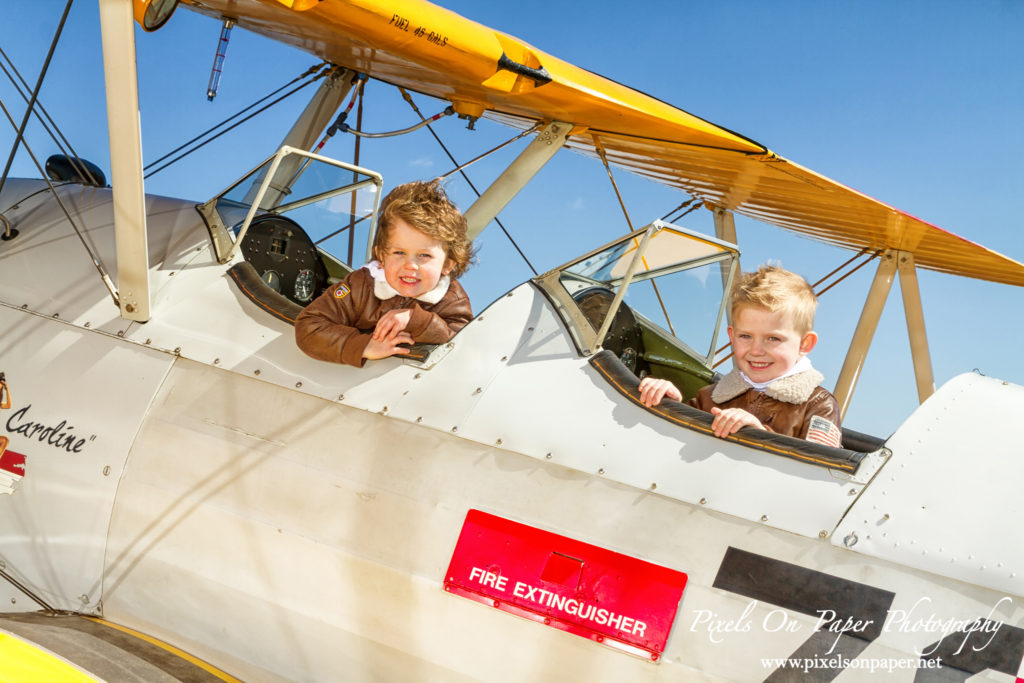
[(186, 496)]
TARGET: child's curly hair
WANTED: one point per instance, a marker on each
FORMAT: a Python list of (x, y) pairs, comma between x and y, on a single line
[(425, 206)]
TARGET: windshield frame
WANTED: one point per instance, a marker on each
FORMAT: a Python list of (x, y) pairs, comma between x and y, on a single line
[(588, 339), (227, 240)]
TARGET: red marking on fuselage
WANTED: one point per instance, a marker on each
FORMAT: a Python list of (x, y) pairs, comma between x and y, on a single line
[(13, 463)]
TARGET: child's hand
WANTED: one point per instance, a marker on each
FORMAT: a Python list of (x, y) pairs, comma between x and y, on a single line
[(728, 421), (376, 349), (391, 323), (652, 390)]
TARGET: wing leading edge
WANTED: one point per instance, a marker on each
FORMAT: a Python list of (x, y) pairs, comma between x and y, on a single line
[(483, 72)]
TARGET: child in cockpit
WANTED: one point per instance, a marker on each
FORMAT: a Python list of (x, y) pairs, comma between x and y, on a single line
[(773, 386), (407, 294)]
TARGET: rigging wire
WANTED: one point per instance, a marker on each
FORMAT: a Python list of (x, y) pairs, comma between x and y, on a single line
[(53, 190), (478, 157), (461, 169), (355, 161), (66, 148), (604, 159), (35, 95), (238, 123), (685, 212)]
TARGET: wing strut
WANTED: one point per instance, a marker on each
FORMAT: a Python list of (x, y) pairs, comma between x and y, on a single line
[(550, 139), (892, 261), (118, 29), (725, 230)]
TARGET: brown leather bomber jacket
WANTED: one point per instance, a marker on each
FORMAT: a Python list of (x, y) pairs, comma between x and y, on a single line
[(786, 407), (338, 324)]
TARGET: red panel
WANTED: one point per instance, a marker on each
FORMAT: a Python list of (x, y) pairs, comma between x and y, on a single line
[(590, 591), (13, 463)]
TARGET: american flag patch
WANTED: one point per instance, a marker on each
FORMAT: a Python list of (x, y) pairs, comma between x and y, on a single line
[(824, 431), (341, 292)]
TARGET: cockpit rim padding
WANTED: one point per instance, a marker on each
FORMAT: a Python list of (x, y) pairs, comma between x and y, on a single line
[(627, 384), (263, 295)]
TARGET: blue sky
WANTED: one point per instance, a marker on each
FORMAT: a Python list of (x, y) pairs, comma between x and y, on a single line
[(916, 103)]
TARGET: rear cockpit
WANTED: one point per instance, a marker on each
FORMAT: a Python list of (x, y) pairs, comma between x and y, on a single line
[(297, 220)]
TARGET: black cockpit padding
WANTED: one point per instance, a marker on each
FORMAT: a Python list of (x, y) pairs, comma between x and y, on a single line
[(262, 294), (627, 384), (859, 441)]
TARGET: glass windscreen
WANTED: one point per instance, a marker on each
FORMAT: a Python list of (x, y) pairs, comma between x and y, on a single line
[(335, 205), (679, 282)]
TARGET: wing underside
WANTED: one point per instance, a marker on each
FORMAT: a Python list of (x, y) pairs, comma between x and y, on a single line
[(483, 72)]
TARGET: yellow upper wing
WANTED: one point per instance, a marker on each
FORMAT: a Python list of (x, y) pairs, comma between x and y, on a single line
[(481, 71)]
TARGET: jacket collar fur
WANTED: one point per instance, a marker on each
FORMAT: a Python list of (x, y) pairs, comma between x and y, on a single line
[(795, 388)]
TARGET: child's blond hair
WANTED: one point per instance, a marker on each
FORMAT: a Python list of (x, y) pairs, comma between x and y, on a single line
[(425, 206), (779, 291)]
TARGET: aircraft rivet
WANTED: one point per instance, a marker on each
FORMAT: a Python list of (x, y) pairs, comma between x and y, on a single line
[(384, 410), (853, 492), (498, 442), (479, 318), (87, 324), (149, 341), (177, 350), (14, 601), (56, 315), (654, 486), (256, 371), (341, 397), (298, 385), (885, 517), (417, 375), (850, 540), (478, 390), (106, 471), (216, 361), (548, 456), (450, 345), (24, 306), (703, 501), (822, 534), (130, 308), (455, 429), (496, 603), (547, 621), (504, 358), (764, 518), (120, 333), (84, 598), (601, 471), (3, 565), (419, 419)]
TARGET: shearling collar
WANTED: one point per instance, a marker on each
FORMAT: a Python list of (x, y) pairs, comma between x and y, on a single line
[(795, 388), (383, 291)]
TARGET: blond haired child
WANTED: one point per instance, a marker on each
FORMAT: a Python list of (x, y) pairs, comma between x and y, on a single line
[(773, 386), (407, 294)]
